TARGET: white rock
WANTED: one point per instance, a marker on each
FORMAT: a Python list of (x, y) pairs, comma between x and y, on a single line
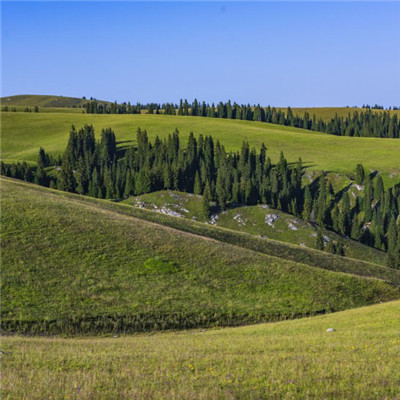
[(271, 218), (330, 330), (213, 219), (238, 218), (292, 227), (167, 211)]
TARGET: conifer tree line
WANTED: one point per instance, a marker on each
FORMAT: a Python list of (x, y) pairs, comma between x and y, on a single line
[(359, 124), (366, 123), (202, 166), (93, 107)]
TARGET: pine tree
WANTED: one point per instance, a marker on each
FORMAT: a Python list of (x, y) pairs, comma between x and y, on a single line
[(206, 200), (308, 203), (392, 235), (197, 184), (360, 174), (221, 190), (142, 183), (129, 186), (344, 223), (367, 201), (379, 189), (319, 243)]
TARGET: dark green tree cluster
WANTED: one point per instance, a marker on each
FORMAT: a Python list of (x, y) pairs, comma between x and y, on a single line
[(365, 124), (202, 166), (93, 107)]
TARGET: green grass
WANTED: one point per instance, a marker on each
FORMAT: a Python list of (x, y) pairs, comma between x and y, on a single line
[(23, 134), (76, 265), (187, 205), (284, 360), (251, 219)]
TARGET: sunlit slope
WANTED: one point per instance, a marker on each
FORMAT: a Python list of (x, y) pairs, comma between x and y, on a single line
[(77, 267), (32, 100), (23, 134), (284, 360)]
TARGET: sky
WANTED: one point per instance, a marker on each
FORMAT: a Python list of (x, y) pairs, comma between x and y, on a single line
[(287, 53)]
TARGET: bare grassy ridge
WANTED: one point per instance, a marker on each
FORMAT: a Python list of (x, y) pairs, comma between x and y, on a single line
[(75, 265), (284, 360)]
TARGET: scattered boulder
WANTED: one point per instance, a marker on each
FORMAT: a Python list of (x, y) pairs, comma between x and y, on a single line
[(292, 227), (214, 218), (238, 218), (330, 330), (167, 211), (271, 218)]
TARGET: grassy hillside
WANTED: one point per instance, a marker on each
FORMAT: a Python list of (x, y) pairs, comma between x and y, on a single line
[(258, 220), (284, 360), (43, 101), (23, 134), (80, 267), (287, 251)]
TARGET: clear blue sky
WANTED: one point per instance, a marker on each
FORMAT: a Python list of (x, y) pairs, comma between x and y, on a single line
[(298, 54)]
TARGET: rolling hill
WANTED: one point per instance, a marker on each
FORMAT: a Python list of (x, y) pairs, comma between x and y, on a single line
[(283, 360), (23, 134), (46, 101), (56, 102), (78, 265)]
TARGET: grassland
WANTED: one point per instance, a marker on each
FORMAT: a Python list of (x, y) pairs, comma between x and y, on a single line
[(23, 134), (252, 219), (73, 266), (284, 360)]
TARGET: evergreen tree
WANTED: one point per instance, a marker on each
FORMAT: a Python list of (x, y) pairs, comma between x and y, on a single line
[(221, 190), (360, 174), (344, 225), (129, 185), (319, 243), (308, 203), (197, 184), (206, 200)]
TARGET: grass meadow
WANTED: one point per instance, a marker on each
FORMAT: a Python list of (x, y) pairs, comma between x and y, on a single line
[(283, 360)]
